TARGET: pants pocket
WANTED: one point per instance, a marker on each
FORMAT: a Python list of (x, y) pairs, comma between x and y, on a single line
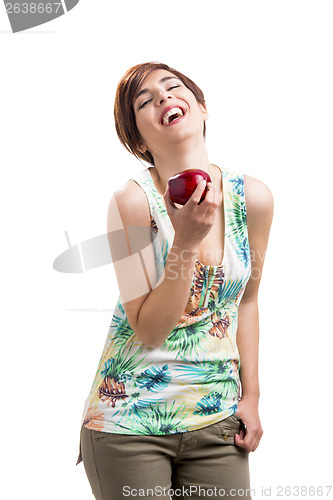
[(228, 427), (108, 436), (235, 417), (227, 434)]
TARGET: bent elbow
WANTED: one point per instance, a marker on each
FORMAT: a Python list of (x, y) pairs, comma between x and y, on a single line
[(145, 339)]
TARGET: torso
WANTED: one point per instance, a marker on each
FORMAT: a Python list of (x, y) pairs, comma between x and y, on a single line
[(212, 246)]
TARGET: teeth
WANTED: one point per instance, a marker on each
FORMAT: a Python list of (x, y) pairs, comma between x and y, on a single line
[(168, 114)]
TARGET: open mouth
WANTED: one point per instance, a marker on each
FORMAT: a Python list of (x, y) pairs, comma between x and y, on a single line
[(171, 115)]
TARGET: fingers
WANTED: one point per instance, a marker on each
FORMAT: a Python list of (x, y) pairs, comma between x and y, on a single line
[(210, 202), (195, 198), (198, 192), (249, 440), (211, 195), (240, 440), (196, 195)]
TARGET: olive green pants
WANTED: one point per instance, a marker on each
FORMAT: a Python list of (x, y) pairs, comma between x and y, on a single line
[(203, 463)]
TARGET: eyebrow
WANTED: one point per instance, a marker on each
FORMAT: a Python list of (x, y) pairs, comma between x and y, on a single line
[(144, 91)]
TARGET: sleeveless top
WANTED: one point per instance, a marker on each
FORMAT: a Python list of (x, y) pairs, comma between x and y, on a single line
[(192, 379)]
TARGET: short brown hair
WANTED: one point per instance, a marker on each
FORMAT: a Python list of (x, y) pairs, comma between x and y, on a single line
[(124, 115)]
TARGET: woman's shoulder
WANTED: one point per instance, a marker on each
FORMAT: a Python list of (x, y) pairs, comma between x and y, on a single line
[(258, 197), (132, 204)]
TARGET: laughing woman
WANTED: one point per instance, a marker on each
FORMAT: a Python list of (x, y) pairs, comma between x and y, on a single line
[(173, 408)]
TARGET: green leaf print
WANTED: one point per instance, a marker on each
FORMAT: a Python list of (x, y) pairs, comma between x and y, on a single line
[(186, 340), (123, 331), (156, 420), (215, 401), (221, 374), (229, 387), (117, 366), (212, 403), (237, 219), (207, 372), (154, 379), (229, 292)]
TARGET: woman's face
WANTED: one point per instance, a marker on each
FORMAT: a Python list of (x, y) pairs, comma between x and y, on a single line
[(166, 112)]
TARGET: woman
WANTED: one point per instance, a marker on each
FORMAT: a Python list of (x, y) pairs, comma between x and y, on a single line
[(173, 409)]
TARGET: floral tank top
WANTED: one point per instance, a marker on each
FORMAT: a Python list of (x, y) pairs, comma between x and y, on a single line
[(192, 379)]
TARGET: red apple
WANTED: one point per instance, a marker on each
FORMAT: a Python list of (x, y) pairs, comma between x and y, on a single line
[(183, 184)]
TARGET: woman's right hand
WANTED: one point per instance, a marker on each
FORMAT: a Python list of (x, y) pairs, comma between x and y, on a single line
[(193, 222)]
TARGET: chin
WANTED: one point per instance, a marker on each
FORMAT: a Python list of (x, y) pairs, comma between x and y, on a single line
[(185, 135)]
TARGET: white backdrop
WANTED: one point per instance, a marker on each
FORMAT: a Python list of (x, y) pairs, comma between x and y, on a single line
[(266, 70)]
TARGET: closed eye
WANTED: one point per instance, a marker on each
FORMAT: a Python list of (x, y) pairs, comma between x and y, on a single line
[(144, 103)]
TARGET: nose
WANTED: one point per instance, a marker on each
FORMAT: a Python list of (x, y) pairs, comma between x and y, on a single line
[(163, 95)]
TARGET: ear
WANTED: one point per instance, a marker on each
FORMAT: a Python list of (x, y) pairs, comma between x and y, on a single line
[(143, 148), (204, 112)]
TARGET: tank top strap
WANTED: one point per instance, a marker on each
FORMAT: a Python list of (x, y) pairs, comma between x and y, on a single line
[(237, 215), (159, 219), (157, 208)]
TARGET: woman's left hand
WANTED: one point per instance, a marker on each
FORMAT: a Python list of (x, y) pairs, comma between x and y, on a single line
[(248, 411)]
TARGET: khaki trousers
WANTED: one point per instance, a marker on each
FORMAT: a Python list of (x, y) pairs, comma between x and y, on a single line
[(203, 463)]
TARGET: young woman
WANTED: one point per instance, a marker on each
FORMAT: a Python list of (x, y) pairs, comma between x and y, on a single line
[(173, 409)]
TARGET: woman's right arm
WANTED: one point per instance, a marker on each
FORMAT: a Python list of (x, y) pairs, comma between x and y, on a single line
[(153, 309)]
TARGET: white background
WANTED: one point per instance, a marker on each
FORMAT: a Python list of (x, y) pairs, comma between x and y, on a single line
[(266, 70)]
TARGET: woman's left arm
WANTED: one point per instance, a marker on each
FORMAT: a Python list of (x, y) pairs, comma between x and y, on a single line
[(259, 207)]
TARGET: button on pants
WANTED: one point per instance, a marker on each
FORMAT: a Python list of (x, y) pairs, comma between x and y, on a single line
[(203, 463)]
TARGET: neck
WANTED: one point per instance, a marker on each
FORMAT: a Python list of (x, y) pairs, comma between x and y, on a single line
[(178, 159)]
